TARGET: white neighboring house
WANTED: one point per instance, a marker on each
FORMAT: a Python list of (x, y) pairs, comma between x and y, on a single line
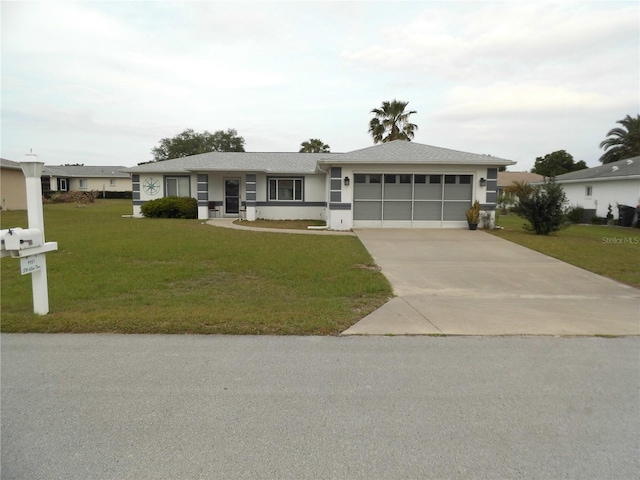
[(67, 178), (395, 184), (596, 188)]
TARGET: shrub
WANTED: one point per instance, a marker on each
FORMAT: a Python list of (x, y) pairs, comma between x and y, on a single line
[(171, 207), (127, 195), (575, 214), (544, 208), (74, 196)]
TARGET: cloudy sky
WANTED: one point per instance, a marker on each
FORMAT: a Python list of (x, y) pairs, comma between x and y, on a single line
[(100, 83)]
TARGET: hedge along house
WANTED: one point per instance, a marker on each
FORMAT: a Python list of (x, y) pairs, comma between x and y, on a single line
[(396, 184)]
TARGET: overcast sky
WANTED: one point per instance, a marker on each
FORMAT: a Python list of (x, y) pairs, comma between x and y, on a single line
[(100, 83)]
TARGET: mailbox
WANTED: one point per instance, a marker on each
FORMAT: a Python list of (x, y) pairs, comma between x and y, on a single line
[(21, 238)]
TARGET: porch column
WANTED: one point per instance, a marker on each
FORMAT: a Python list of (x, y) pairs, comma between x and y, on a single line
[(203, 196), (250, 189)]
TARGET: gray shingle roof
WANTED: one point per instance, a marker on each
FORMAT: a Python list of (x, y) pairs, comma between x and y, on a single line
[(84, 171), (623, 168), (401, 151), (398, 151), (4, 163), (288, 162)]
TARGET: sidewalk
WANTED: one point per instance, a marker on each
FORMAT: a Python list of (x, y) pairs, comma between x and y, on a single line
[(228, 223)]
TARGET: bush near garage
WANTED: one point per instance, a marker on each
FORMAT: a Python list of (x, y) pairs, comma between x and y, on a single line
[(171, 207), (544, 208)]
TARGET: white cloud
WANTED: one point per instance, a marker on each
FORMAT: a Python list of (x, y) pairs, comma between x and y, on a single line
[(506, 100), (484, 76)]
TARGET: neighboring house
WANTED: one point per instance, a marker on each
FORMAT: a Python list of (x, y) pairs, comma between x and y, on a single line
[(507, 178), (66, 178), (395, 184), (596, 188), (13, 188)]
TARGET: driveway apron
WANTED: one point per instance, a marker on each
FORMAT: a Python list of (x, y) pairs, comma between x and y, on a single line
[(461, 282)]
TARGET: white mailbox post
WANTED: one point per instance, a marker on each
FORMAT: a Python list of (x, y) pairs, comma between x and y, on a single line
[(28, 244)]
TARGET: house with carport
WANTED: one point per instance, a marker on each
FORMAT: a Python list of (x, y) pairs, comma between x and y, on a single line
[(398, 184)]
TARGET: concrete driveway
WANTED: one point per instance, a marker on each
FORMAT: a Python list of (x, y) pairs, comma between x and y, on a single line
[(461, 282)]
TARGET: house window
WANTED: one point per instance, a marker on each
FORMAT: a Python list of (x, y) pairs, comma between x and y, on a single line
[(176, 187), (588, 190), (420, 179), (285, 189), (367, 178), (112, 182), (83, 184), (450, 179)]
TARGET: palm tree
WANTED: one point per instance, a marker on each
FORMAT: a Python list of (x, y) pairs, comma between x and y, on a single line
[(314, 145), (391, 122), (622, 142)]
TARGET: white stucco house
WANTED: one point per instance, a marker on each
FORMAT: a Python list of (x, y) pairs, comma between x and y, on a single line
[(395, 184), (596, 188), (66, 178)]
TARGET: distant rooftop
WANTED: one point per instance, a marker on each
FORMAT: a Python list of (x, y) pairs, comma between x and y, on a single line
[(84, 171), (507, 178), (629, 167), (4, 163)]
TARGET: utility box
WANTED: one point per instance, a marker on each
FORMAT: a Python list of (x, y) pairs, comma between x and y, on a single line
[(21, 238)]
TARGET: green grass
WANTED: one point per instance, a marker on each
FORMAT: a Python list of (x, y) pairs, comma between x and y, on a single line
[(114, 274), (613, 252)]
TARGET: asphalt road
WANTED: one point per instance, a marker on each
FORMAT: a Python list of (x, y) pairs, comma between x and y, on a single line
[(220, 407)]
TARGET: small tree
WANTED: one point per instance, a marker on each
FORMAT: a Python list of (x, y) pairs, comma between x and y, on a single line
[(519, 189), (544, 208), (557, 163), (190, 142)]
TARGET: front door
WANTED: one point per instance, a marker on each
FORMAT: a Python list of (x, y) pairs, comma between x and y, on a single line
[(231, 196)]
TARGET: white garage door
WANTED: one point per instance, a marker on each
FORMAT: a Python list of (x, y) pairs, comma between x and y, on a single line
[(401, 200)]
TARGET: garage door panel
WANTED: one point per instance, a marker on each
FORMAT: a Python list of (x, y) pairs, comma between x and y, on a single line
[(367, 191), (367, 210), (427, 211), (455, 210), (457, 192), (397, 210), (397, 192), (428, 192)]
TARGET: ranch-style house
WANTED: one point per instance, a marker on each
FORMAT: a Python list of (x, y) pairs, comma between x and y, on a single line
[(395, 184)]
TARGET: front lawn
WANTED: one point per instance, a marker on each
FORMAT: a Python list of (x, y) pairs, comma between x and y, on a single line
[(610, 251), (126, 275)]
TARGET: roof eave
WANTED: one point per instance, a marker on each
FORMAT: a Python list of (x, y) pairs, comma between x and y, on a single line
[(599, 179)]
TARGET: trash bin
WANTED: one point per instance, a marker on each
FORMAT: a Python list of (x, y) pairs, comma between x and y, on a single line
[(625, 215)]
